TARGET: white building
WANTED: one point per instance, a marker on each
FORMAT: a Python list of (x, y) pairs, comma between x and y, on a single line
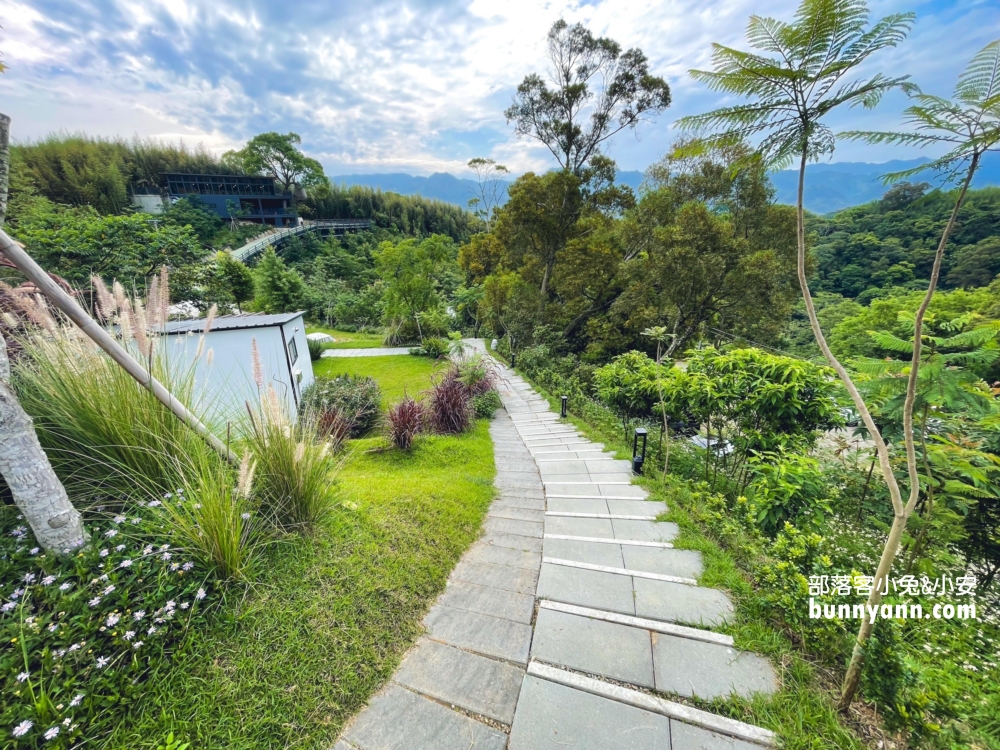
[(224, 379)]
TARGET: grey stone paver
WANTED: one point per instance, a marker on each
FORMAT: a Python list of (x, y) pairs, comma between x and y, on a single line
[(576, 505), (476, 683), (708, 670), (671, 562), (687, 737), (552, 716), (514, 541), (645, 531), (398, 719), (579, 526), (486, 600), (506, 556), (495, 525), (594, 646), (482, 634), (636, 507), (594, 553), (522, 580), (516, 514), (677, 602), (588, 588)]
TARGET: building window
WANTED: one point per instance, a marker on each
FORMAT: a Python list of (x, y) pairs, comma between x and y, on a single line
[(293, 351)]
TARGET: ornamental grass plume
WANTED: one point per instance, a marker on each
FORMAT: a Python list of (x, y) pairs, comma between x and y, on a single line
[(404, 422)]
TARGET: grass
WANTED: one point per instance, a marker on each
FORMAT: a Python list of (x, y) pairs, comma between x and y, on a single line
[(333, 614), (395, 374), (349, 339), (803, 713)]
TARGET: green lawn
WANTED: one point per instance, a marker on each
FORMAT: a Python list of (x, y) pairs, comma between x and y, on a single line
[(349, 339), (395, 374), (332, 615)]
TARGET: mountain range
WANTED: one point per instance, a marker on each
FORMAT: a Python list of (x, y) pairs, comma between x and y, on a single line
[(829, 187)]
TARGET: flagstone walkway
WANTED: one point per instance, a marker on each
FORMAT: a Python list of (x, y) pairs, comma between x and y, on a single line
[(565, 624)]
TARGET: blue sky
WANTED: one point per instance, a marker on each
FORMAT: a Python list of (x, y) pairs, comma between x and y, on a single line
[(393, 86)]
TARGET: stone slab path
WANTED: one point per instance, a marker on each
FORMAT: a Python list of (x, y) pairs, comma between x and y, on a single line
[(375, 351), (568, 622)]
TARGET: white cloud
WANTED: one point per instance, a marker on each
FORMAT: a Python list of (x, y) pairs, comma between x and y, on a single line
[(407, 85)]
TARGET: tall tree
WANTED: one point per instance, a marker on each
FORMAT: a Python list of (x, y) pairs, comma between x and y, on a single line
[(574, 119), (491, 187), (279, 157), (37, 491), (800, 75), (278, 288), (235, 277)]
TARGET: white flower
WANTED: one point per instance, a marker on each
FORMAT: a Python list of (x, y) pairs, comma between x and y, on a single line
[(48, 580), (67, 721), (65, 586), (111, 533), (137, 645), (76, 700), (180, 491), (147, 550), (33, 551), (119, 519), (136, 521), (23, 676), (166, 496), (113, 620), (53, 626), (22, 729), (95, 601), (184, 605), (175, 566), (154, 503), (129, 635), (29, 577), (139, 615), (245, 516), (75, 647), (151, 630), (164, 547), (108, 589), (188, 565), (52, 733), (8, 606), (197, 506), (119, 548), (16, 593), (102, 662), (170, 605), (104, 553), (200, 595), (103, 577), (125, 564), (166, 555)]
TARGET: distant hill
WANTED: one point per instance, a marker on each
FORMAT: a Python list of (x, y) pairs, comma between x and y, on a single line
[(829, 187)]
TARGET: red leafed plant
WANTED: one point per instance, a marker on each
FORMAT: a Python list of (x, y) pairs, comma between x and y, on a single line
[(403, 422), (449, 408)]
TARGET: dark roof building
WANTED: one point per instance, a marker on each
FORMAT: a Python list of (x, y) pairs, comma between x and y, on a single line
[(252, 198)]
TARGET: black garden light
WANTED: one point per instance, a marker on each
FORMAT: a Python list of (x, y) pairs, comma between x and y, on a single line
[(562, 411), (638, 458)]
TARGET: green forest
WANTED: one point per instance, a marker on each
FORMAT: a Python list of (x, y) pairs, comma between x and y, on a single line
[(679, 309)]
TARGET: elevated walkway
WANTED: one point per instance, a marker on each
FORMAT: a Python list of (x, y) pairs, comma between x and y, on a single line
[(277, 236)]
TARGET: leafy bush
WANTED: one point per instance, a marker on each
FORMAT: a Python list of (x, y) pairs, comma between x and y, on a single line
[(81, 631), (449, 407), (315, 349), (404, 422), (435, 348), (294, 467), (357, 399), (485, 404), (628, 386), (789, 487), (478, 375)]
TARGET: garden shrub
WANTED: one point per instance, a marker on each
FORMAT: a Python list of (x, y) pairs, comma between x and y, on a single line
[(356, 398), (486, 404), (789, 487), (315, 349), (404, 422), (449, 407), (435, 348), (80, 631)]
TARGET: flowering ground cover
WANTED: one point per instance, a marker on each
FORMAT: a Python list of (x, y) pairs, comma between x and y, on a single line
[(289, 661)]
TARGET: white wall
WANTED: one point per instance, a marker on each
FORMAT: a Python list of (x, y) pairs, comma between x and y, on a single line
[(224, 382)]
